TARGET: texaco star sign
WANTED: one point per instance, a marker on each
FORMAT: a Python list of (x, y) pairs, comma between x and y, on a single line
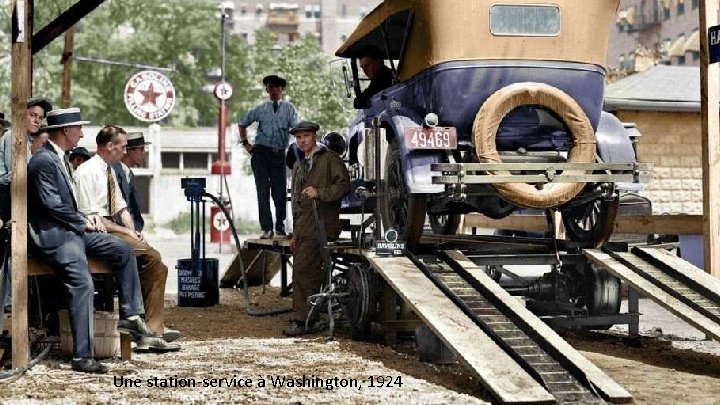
[(149, 96)]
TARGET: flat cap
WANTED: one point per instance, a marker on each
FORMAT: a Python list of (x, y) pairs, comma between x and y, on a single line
[(43, 102), (305, 126), (274, 80)]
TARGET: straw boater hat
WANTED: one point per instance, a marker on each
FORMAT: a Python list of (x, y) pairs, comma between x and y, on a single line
[(66, 117), (136, 140)]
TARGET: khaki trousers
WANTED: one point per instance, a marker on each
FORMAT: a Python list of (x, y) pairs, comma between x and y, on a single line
[(153, 276)]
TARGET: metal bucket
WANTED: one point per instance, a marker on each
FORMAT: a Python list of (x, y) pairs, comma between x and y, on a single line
[(198, 283)]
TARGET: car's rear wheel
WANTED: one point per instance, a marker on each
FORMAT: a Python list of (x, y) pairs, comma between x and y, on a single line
[(401, 210), (592, 222)]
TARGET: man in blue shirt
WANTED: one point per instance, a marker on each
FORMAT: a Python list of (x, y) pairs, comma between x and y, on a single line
[(275, 118)]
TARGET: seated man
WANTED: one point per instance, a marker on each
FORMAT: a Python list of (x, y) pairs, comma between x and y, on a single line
[(60, 235), (381, 77), (98, 193)]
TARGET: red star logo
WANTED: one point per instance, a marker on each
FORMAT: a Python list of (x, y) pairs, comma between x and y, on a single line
[(150, 95)]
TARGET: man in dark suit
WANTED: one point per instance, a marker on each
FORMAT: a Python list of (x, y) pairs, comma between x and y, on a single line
[(135, 157), (60, 235)]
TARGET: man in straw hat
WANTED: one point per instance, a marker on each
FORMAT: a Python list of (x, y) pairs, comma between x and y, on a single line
[(61, 236)]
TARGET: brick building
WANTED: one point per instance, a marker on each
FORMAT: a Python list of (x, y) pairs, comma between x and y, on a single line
[(647, 32), (331, 21), (664, 103)]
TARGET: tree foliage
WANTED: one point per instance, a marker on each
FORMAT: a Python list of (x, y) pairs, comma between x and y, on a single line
[(184, 34)]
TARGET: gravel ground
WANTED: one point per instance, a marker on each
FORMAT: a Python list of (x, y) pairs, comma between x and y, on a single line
[(670, 364)]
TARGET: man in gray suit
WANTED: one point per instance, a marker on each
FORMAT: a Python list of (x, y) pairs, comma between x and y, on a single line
[(60, 235)]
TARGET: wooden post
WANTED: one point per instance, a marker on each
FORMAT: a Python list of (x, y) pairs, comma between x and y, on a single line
[(67, 67), (21, 90), (709, 82)]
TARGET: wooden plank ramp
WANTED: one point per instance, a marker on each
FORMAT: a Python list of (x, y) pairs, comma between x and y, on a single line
[(654, 292), (611, 390), (498, 372)]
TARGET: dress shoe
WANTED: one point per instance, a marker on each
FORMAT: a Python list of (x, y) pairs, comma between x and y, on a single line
[(136, 328), (171, 335), (280, 233), (88, 365), (266, 235), (155, 344)]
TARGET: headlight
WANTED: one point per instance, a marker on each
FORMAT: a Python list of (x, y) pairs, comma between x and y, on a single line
[(431, 120), (335, 142)]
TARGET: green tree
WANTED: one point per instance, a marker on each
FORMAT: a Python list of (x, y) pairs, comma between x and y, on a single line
[(184, 34)]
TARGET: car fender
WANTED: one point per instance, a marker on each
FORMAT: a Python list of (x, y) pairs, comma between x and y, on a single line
[(614, 145), (415, 163)]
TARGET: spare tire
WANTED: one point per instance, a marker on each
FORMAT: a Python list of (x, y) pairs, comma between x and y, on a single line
[(582, 145)]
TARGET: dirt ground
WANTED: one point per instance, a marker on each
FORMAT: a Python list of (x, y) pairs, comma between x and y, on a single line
[(222, 342)]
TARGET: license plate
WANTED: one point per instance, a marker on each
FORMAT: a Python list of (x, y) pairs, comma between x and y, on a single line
[(431, 138)]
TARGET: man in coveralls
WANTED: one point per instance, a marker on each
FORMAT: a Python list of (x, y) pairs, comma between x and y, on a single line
[(321, 176)]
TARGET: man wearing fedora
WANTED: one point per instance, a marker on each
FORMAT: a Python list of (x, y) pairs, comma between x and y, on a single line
[(99, 193), (135, 157), (37, 107), (319, 181), (62, 236), (78, 156), (275, 117)]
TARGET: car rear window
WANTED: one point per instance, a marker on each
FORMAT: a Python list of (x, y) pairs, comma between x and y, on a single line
[(525, 20)]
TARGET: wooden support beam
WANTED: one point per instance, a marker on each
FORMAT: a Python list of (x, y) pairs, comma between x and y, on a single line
[(710, 108), (62, 23), (641, 224), (66, 60), (21, 89)]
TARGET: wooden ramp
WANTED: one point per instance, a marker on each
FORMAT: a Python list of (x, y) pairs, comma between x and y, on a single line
[(499, 373), (673, 283)]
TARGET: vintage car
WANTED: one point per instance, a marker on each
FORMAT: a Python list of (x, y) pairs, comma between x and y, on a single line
[(496, 106)]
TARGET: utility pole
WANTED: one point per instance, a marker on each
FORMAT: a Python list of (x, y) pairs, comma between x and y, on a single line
[(710, 107), (66, 60)]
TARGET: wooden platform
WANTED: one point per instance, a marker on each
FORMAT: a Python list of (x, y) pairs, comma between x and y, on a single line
[(500, 374)]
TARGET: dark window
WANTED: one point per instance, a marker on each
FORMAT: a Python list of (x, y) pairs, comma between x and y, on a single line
[(681, 60), (621, 27), (195, 160), (170, 160), (695, 55), (681, 7), (695, 4), (666, 13), (343, 10)]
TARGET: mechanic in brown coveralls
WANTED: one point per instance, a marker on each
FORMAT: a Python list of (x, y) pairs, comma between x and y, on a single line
[(320, 175)]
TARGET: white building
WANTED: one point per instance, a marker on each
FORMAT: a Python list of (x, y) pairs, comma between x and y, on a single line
[(177, 153)]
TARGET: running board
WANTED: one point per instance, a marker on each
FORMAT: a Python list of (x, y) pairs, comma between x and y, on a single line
[(673, 283), (499, 370)]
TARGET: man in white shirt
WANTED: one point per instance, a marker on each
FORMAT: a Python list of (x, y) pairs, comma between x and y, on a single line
[(98, 193)]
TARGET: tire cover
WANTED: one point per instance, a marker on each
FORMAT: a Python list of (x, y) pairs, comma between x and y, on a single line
[(582, 145)]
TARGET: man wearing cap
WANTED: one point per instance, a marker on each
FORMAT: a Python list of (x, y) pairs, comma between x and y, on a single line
[(321, 176), (275, 118), (4, 124), (62, 236), (135, 157), (37, 107), (79, 156), (98, 193)]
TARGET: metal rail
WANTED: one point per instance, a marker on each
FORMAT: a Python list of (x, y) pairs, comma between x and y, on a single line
[(673, 283), (528, 348)]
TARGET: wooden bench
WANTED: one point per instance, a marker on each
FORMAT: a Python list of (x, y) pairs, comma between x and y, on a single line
[(39, 268)]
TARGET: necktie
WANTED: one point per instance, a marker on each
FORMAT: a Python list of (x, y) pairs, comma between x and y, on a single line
[(68, 166), (111, 192), (275, 106), (131, 179)]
